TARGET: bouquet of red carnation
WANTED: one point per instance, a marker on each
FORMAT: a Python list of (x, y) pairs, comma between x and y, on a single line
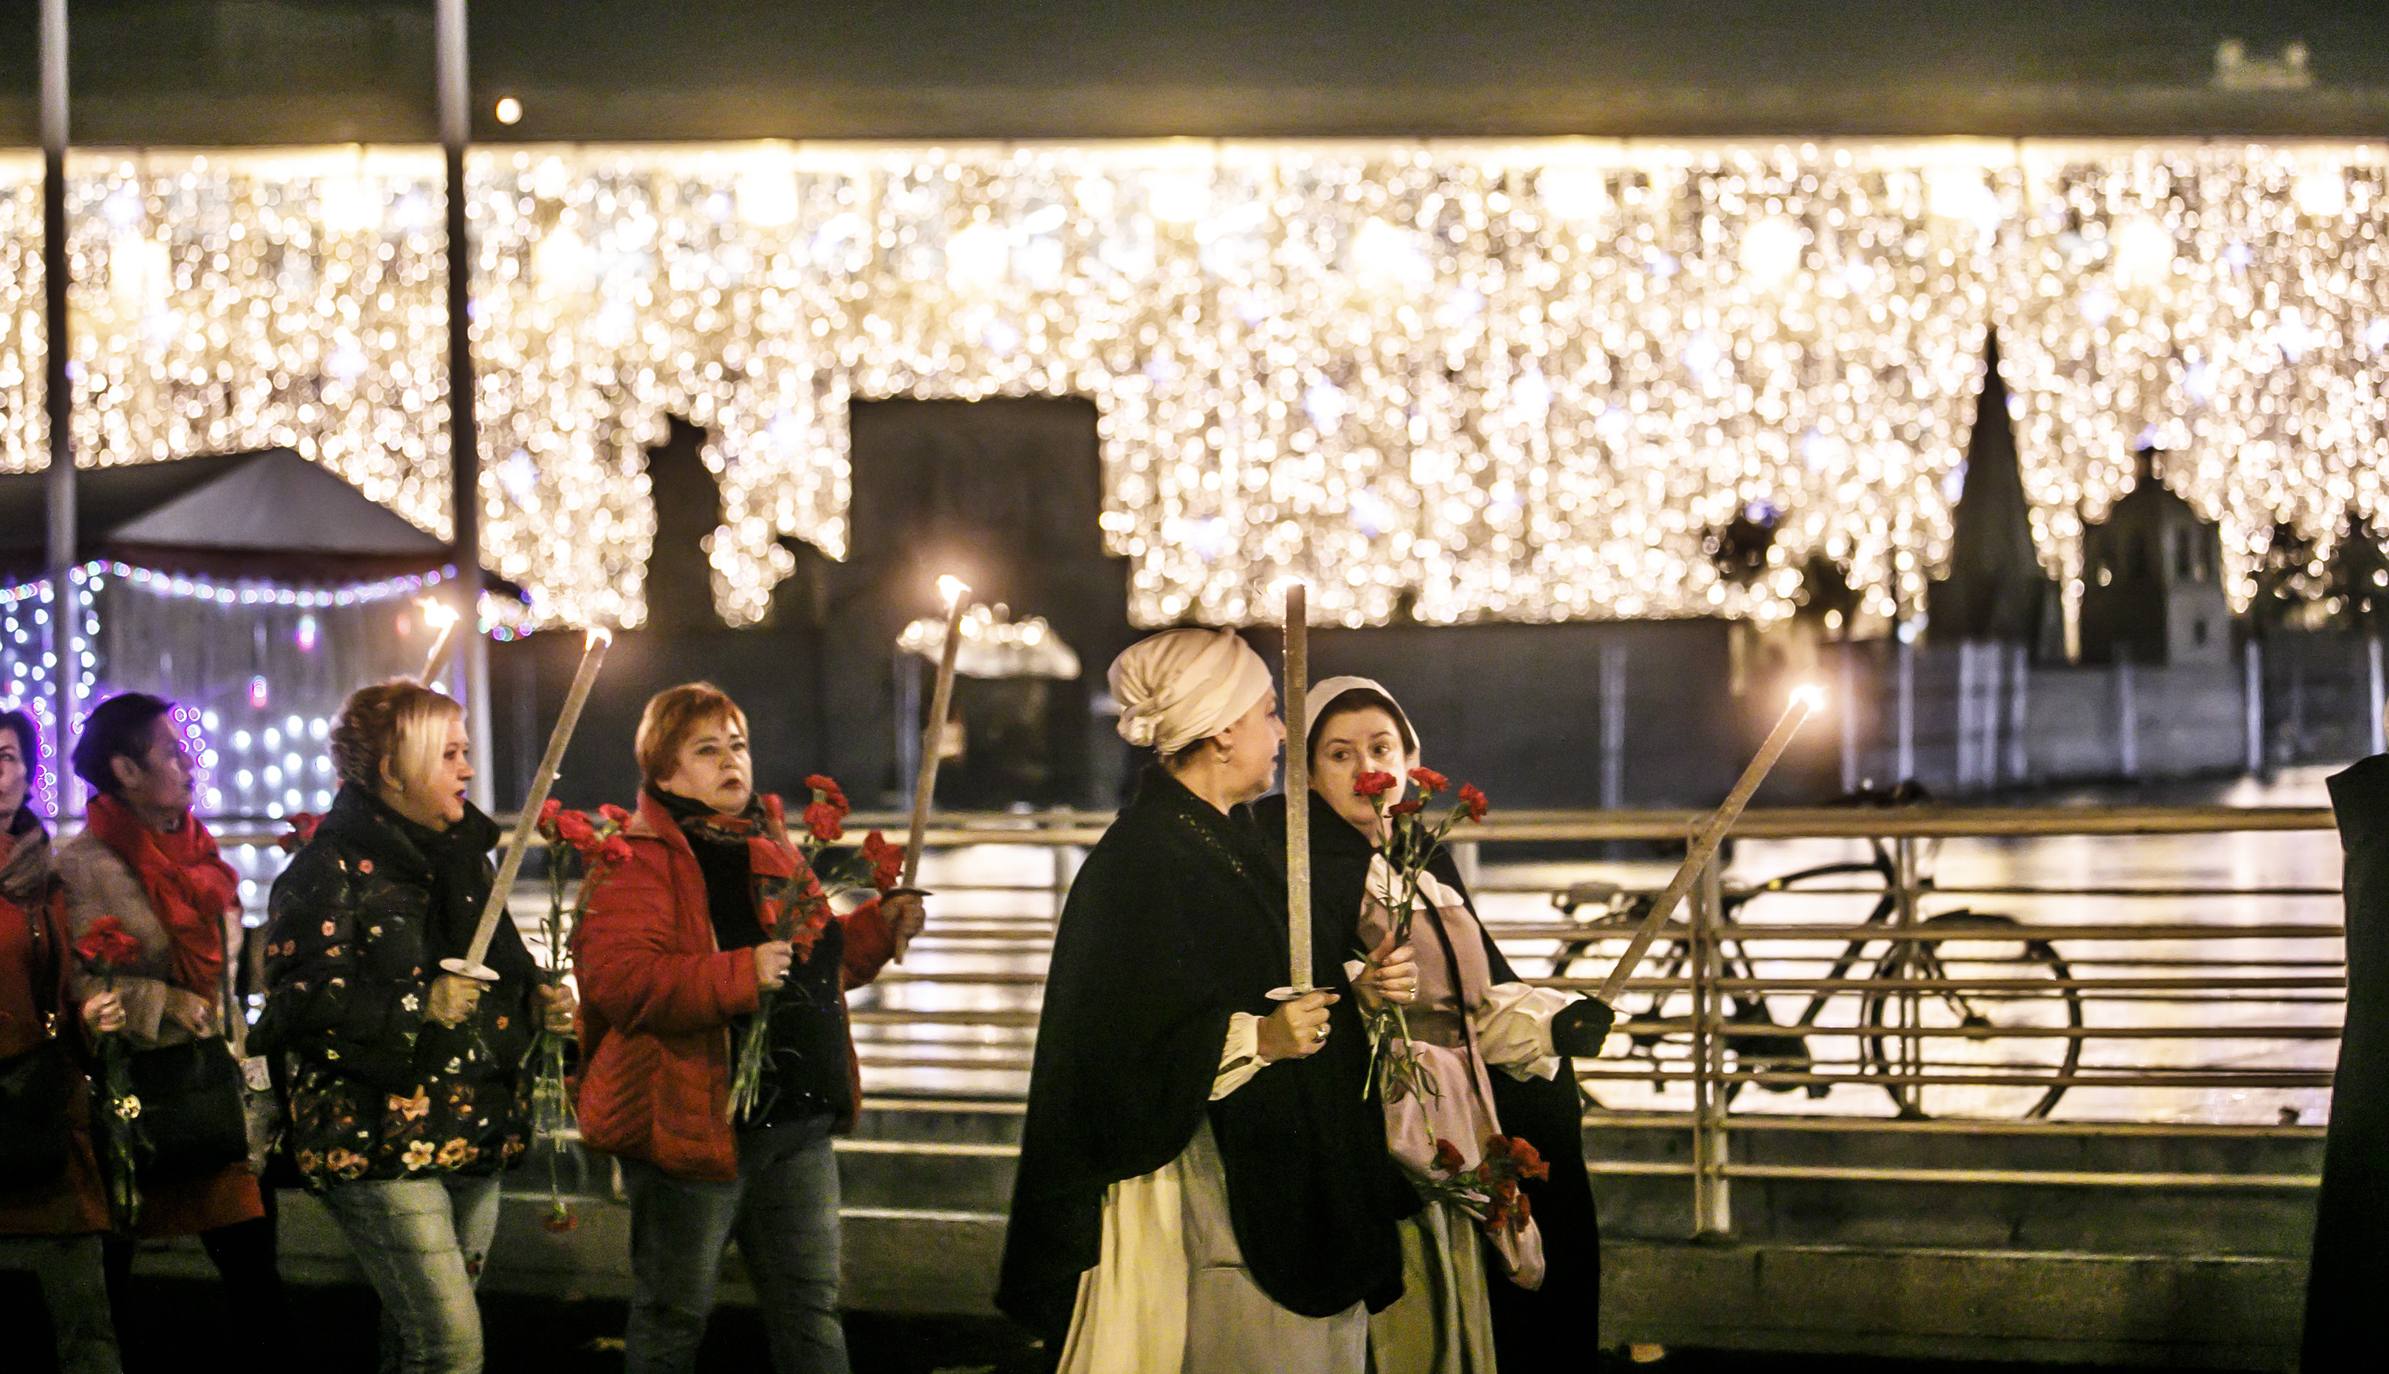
[(104, 950), (1489, 1191), (302, 829), (798, 908), (1408, 842), (596, 844)]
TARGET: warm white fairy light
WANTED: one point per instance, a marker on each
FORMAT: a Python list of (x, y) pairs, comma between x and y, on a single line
[(237, 301), (1510, 382), (24, 433), (2231, 302)]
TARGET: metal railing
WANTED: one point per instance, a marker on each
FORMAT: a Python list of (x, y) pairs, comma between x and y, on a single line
[(1868, 1000)]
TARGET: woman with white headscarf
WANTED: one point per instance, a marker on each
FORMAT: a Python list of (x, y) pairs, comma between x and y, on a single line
[(1202, 1186), (1496, 1050)]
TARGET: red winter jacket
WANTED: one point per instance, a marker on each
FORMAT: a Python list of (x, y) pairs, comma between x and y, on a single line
[(657, 998)]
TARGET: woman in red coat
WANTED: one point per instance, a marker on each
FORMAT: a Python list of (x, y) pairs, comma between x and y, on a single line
[(51, 1225), (671, 958)]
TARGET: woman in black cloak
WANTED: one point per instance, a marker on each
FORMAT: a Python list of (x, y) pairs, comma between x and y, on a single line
[(2351, 1229), (1485, 1034), (1202, 1186)]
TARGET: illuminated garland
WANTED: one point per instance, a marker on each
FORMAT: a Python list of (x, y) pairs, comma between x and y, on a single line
[(1482, 381)]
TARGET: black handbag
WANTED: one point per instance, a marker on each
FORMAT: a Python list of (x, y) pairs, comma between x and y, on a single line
[(194, 1120), (35, 1089)]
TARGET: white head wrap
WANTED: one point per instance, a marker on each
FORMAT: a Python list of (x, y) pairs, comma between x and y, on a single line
[(1180, 686), (1324, 692)]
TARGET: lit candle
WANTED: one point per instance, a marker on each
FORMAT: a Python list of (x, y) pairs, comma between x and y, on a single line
[(442, 617), (1298, 787), (1806, 699), (593, 654), (941, 699)]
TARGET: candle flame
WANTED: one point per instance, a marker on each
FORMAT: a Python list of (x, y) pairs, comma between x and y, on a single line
[(952, 588), (598, 634), (1809, 695), (437, 614)]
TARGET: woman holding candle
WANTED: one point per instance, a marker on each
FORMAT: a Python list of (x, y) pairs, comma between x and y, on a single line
[(1496, 1050), (673, 956), (146, 860), (1202, 1184), (50, 1224), (407, 1087)]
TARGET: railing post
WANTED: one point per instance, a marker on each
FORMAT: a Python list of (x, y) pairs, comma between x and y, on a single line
[(1712, 1200), (1908, 1060), (1846, 707), (1907, 713)]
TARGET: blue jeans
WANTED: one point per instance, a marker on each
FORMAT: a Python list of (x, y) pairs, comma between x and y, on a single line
[(74, 1287), (422, 1243), (783, 1210)]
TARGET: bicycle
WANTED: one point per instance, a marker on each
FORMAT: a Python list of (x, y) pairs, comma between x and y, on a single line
[(1973, 973)]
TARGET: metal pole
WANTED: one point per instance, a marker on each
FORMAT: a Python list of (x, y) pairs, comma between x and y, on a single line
[(2376, 695), (1907, 716), (2127, 721), (2019, 714), (1848, 712), (1712, 1198), (2252, 704), (1967, 691), (1613, 726), (464, 446), (58, 403), (1910, 1052)]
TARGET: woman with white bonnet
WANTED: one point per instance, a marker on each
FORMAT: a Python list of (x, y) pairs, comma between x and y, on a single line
[(1495, 1048), (1202, 1185)]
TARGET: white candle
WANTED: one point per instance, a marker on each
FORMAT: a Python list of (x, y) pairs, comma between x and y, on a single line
[(1805, 700), (593, 654), (442, 617), (933, 732), (1298, 787)]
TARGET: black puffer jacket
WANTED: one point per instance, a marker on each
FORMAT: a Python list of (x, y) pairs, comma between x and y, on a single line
[(359, 923)]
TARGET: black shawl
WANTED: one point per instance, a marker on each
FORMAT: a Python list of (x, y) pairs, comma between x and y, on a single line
[(2351, 1227), (1533, 1328), (1178, 920)]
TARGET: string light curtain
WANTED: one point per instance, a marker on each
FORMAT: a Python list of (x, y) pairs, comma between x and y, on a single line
[(1480, 381), (24, 430)]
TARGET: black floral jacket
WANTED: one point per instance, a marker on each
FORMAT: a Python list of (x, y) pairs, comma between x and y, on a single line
[(375, 1090)]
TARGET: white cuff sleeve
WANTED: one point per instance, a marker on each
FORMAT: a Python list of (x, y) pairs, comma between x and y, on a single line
[(1240, 1058), (1513, 1029)]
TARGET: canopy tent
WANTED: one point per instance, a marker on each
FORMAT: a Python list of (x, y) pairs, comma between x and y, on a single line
[(269, 514), (255, 590)]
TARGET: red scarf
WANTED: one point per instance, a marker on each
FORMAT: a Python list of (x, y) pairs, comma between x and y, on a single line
[(190, 888)]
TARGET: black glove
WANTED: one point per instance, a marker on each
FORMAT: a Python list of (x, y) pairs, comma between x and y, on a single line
[(1578, 1031)]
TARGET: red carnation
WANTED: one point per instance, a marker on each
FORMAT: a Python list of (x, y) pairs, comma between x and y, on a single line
[(574, 828), (1473, 801), (1447, 1157), (1373, 784), (827, 822), (826, 791), (107, 946), (614, 852), (560, 1219), (614, 813), (302, 829), (1429, 781), (886, 860), (550, 811), (1405, 808), (1528, 1159)]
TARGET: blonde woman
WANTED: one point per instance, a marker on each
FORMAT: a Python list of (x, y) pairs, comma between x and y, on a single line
[(408, 1095)]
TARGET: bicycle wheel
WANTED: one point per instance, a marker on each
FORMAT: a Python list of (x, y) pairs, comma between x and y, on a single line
[(2020, 1045)]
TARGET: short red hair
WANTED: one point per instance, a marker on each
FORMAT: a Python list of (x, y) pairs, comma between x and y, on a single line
[(674, 714)]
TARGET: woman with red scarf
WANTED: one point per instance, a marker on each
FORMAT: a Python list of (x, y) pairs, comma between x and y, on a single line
[(146, 860)]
